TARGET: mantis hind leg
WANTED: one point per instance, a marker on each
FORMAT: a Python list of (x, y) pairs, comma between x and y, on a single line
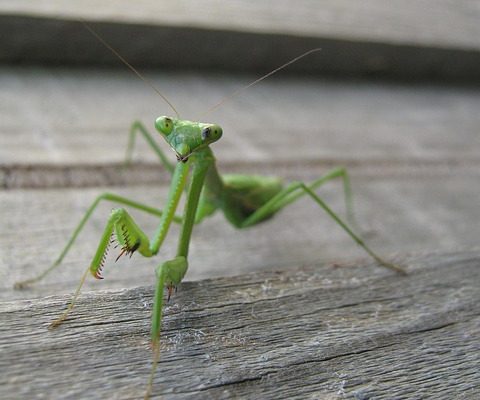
[(136, 127), (105, 196), (286, 196), (297, 189), (339, 172)]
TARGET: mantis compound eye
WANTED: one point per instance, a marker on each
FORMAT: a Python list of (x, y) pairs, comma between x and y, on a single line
[(164, 125), (211, 133), (206, 132)]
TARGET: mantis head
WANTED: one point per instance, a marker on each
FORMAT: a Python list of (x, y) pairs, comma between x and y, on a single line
[(186, 137)]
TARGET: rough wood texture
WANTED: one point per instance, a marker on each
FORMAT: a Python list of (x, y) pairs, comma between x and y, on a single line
[(314, 332), (412, 152), (397, 214), (81, 117), (403, 21), (401, 39), (307, 330)]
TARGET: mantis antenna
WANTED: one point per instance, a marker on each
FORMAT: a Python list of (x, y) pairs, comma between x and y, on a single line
[(149, 83), (238, 91), (214, 107)]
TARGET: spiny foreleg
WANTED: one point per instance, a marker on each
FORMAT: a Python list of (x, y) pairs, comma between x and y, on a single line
[(169, 274), (128, 235), (103, 197), (120, 228)]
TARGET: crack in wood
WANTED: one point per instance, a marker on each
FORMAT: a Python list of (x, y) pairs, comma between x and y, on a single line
[(42, 176)]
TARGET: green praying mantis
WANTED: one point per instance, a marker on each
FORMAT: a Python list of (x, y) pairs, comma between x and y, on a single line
[(245, 201)]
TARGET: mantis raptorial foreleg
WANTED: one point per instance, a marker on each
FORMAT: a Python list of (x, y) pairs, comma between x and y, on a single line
[(136, 126), (174, 270), (103, 197), (130, 236)]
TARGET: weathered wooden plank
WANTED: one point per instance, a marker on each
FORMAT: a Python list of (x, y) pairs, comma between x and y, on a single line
[(313, 332), (403, 38), (398, 213), (63, 117), (44, 176), (405, 22)]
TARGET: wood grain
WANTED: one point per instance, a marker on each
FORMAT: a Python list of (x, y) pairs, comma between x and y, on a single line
[(312, 332), (412, 152), (405, 22), (292, 309), (397, 215), (81, 117), (398, 39)]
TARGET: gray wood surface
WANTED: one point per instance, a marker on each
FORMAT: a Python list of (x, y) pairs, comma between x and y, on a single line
[(415, 182), (312, 332), (294, 326), (405, 22), (402, 39), (398, 215), (70, 117)]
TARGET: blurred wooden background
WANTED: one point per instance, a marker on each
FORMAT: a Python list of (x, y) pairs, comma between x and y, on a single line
[(393, 96)]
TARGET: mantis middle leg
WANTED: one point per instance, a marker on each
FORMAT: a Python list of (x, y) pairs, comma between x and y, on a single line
[(137, 126)]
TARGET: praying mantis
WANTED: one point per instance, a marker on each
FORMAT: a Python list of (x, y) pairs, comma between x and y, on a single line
[(245, 201)]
